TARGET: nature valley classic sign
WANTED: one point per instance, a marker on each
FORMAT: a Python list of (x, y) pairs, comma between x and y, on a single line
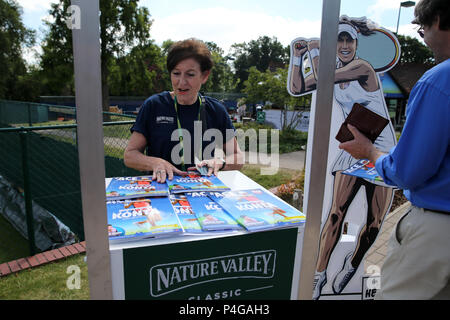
[(167, 278), (247, 266)]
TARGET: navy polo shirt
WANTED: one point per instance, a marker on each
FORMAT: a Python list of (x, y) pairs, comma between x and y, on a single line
[(157, 121)]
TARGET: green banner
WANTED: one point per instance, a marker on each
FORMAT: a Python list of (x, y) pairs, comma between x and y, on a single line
[(250, 266)]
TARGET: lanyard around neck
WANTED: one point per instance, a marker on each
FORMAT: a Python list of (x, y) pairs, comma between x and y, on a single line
[(180, 131)]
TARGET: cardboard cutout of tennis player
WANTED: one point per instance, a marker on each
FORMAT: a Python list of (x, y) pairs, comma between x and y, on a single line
[(354, 208)]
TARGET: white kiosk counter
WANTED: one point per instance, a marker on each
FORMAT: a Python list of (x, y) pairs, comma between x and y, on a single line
[(241, 265)]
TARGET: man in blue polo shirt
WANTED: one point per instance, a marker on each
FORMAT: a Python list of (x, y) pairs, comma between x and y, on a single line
[(417, 265)]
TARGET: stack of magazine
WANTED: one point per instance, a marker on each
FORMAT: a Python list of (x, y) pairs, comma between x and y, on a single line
[(139, 208), (256, 209)]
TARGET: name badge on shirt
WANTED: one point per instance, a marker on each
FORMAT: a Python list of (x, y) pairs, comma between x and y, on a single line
[(164, 119)]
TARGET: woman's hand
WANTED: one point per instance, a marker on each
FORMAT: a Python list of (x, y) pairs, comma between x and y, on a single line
[(213, 166), (134, 158), (163, 170)]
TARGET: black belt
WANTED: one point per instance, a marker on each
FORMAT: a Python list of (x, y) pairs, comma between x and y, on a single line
[(438, 211)]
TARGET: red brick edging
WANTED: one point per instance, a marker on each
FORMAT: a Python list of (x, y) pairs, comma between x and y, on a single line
[(41, 258)]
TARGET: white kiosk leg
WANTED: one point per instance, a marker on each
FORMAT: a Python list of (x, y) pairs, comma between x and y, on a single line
[(86, 52), (319, 152)]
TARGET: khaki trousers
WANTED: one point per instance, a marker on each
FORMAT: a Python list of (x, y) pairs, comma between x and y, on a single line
[(417, 264)]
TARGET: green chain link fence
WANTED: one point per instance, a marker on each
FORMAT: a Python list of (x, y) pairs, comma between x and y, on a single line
[(39, 156)]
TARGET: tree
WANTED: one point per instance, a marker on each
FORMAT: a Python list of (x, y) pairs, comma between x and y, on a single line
[(13, 36), (142, 72), (263, 53), (270, 86), (412, 50), (56, 63), (221, 78), (123, 25), (255, 86)]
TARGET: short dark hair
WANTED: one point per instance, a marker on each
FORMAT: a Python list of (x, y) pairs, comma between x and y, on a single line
[(427, 11), (189, 48)]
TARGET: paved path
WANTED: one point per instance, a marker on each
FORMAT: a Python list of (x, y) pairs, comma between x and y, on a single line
[(292, 160)]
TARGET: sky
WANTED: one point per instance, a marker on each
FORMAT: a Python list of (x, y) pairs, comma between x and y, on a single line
[(236, 21)]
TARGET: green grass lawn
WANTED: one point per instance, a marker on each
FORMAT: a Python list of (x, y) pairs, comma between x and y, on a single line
[(48, 282), (269, 181)]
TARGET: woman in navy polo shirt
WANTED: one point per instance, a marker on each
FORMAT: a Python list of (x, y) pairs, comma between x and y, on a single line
[(177, 127)]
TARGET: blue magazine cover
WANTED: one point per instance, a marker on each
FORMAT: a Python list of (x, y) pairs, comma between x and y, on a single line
[(257, 210), (135, 187), (366, 170), (185, 214), (133, 219), (209, 213), (195, 182)]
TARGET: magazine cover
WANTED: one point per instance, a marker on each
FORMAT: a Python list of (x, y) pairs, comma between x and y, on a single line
[(185, 214), (133, 219), (209, 213), (135, 187), (257, 210), (195, 182), (364, 169)]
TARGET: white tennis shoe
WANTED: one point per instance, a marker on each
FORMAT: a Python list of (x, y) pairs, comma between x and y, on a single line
[(344, 276), (320, 279)]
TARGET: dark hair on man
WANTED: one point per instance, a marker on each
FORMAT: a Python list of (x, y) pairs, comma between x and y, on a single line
[(426, 13), (189, 48)]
